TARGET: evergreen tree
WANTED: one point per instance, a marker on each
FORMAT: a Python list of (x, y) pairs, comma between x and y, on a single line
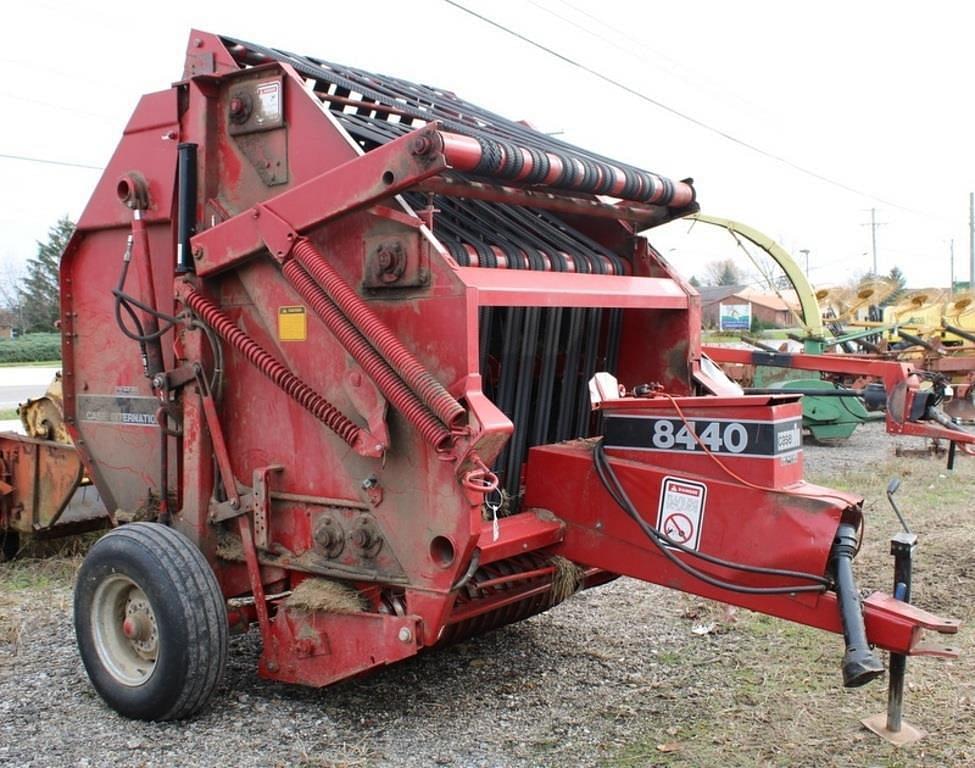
[(896, 277), (695, 282), (39, 289)]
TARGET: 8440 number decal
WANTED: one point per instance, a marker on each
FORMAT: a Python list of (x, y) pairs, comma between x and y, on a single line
[(728, 436)]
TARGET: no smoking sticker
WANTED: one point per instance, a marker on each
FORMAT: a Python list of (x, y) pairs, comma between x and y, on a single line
[(681, 512)]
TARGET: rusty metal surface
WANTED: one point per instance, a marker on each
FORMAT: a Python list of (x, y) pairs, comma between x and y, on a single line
[(43, 417), (39, 478)]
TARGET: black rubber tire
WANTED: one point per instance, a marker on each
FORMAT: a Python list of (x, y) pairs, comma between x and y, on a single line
[(190, 616), (9, 545)]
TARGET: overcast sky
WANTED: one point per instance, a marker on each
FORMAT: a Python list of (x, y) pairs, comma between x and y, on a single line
[(872, 96)]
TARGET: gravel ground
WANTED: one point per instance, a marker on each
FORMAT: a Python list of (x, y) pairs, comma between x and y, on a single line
[(622, 675)]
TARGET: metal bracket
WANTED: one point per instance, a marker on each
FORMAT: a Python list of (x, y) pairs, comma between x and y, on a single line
[(223, 510), (220, 451), (261, 504)]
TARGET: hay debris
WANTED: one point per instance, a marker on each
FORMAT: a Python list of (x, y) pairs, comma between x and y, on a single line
[(230, 548), (325, 595), (568, 579)]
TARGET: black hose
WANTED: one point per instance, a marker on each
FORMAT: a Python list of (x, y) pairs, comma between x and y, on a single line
[(664, 543), (860, 665)]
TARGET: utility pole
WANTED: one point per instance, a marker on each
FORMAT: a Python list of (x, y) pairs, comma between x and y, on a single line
[(952, 251), (805, 252), (971, 241), (873, 224)]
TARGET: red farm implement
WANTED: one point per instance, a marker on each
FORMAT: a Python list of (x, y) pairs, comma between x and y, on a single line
[(329, 339)]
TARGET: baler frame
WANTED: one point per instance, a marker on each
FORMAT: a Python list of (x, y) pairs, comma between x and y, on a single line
[(409, 310)]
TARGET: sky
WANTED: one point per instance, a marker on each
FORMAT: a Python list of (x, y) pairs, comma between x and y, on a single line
[(797, 119)]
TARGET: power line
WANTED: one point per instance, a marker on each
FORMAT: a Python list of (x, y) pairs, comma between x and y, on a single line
[(45, 161), (59, 107), (683, 115), (639, 50), (640, 55)]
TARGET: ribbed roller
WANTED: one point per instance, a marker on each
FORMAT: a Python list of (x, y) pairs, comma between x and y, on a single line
[(529, 597), (374, 107)]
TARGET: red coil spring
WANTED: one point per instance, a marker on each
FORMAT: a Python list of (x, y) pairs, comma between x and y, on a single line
[(267, 364), (390, 384), (431, 391)]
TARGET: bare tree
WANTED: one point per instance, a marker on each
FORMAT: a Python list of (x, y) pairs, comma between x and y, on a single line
[(11, 303), (723, 272)]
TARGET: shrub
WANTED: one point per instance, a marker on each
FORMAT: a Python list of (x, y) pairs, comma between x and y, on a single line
[(31, 348)]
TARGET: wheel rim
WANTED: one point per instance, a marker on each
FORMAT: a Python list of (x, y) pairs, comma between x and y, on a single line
[(125, 632)]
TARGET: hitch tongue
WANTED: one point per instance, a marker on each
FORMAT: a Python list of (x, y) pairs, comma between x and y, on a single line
[(860, 665)]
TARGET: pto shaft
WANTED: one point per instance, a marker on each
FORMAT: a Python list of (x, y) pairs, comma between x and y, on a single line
[(860, 665)]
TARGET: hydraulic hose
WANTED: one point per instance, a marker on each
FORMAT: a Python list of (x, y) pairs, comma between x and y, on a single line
[(356, 437), (665, 544)]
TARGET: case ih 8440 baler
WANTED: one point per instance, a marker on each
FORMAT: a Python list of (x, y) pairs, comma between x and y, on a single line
[(339, 355)]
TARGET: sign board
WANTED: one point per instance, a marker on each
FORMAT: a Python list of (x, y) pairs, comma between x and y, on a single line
[(681, 510), (292, 324), (730, 437), (734, 317)]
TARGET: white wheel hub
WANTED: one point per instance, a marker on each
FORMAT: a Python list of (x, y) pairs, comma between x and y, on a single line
[(125, 632)]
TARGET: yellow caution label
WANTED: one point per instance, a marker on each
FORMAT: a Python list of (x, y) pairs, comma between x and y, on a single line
[(292, 324)]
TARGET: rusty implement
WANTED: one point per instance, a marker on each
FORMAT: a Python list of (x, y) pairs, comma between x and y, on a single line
[(43, 417), (38, 479), (368, 369)]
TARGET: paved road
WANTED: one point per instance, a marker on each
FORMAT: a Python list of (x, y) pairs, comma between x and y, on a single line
[(17, 384)]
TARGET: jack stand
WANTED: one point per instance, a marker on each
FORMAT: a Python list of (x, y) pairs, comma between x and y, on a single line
[(889, 725)]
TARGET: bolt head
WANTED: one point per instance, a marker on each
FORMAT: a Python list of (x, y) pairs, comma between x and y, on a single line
[(405, 635), (420, 145)]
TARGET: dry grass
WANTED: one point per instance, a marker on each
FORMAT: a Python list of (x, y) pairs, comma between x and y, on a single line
[(567, 579), (764, 692), (230, 548), (40, 577), (325, 595)]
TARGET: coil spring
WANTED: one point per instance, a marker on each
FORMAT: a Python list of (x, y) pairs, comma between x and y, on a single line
[(267, 364), (389, 383), (430, 391)]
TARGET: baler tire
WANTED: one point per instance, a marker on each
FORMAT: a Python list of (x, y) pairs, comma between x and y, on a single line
[(166, 664), (9, 545)]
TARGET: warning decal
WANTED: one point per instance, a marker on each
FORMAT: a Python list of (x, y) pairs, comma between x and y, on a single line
[(292, 324), (681, 512)]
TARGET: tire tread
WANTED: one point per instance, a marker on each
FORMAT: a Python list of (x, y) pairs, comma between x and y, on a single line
[(204, 610)]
